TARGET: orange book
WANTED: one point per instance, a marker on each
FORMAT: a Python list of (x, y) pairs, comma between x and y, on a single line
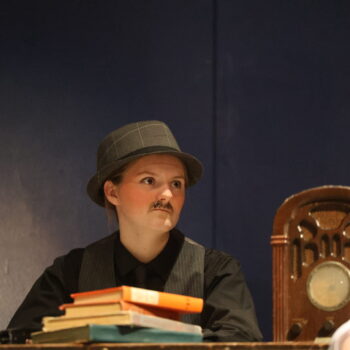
[(170, 301), (107, 307)]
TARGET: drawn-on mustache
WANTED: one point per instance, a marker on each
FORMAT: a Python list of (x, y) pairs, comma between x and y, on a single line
[(161, 205)]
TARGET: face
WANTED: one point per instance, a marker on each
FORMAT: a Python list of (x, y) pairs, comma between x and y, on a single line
[(151, 193)]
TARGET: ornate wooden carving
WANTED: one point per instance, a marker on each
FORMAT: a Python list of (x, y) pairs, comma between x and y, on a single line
[(309, 228)]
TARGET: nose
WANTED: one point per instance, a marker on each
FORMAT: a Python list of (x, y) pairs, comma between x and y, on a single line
[(165, 195)]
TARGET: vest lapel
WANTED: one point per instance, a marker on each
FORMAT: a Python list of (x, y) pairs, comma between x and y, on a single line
[(187, 275)]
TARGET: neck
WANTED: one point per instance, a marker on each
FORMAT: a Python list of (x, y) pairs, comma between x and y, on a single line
[(144, 246)]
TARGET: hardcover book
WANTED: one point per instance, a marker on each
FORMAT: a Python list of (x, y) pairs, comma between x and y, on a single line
[(129, 318), (114, 334), (170, 301), (106, 308)]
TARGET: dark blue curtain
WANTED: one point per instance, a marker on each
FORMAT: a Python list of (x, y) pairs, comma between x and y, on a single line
[(257, 90)]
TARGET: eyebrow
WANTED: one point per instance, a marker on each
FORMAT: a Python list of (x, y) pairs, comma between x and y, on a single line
[(148, 172)]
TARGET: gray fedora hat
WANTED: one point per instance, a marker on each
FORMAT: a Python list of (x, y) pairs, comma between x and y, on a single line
[(132, 141)]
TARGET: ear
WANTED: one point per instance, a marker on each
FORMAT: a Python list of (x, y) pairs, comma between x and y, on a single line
[(111, 192)]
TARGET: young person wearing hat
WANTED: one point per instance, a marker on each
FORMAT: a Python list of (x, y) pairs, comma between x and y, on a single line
[(142, 177)]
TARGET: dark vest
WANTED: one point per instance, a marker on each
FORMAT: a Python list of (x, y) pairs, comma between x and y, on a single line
[(186, 277)]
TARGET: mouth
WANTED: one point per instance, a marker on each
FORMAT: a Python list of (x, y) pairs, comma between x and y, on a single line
[(162, 209)]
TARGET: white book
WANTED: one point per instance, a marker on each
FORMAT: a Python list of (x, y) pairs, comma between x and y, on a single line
[(120, 318)]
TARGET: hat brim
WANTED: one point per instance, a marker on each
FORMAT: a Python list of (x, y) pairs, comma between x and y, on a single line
[(94, 188)]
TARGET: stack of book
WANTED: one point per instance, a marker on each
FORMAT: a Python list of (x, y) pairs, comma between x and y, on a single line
[(123, 314)]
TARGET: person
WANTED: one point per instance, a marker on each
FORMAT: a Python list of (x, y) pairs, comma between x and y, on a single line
[(142, 176), (340, 339)]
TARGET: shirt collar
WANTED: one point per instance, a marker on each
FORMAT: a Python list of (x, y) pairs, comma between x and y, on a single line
[(161, 264)]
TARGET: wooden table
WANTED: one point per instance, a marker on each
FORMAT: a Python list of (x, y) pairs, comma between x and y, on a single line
[(168, 346)]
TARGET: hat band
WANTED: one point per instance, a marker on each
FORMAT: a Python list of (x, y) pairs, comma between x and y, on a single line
[(150, 149), (142, 152)]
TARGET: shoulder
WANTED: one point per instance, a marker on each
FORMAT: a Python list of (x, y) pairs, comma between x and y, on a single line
[(221, 269), (216, 260), (67, 267), (74, 257)]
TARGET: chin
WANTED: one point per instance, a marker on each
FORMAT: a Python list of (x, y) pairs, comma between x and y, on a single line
[(163, 226)]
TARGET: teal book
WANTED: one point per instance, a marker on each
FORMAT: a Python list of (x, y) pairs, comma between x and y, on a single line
[(94, 333)]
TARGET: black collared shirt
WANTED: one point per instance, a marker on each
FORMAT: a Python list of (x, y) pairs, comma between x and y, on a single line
[(153, 275), (228, 313)]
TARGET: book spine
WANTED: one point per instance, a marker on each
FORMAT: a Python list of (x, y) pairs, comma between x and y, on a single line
[(163, 300), (163, 323), (122, 318), (103, 308), (142, 335), (177, 302), (112, 333)]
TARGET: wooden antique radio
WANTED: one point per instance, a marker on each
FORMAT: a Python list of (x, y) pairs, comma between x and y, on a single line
[(311, 264)]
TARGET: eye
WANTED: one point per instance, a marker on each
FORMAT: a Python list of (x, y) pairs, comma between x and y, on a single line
[(177, 184), (148, 180)]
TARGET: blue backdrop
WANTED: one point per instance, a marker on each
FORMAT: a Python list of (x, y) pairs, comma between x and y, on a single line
[(258, 90)]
